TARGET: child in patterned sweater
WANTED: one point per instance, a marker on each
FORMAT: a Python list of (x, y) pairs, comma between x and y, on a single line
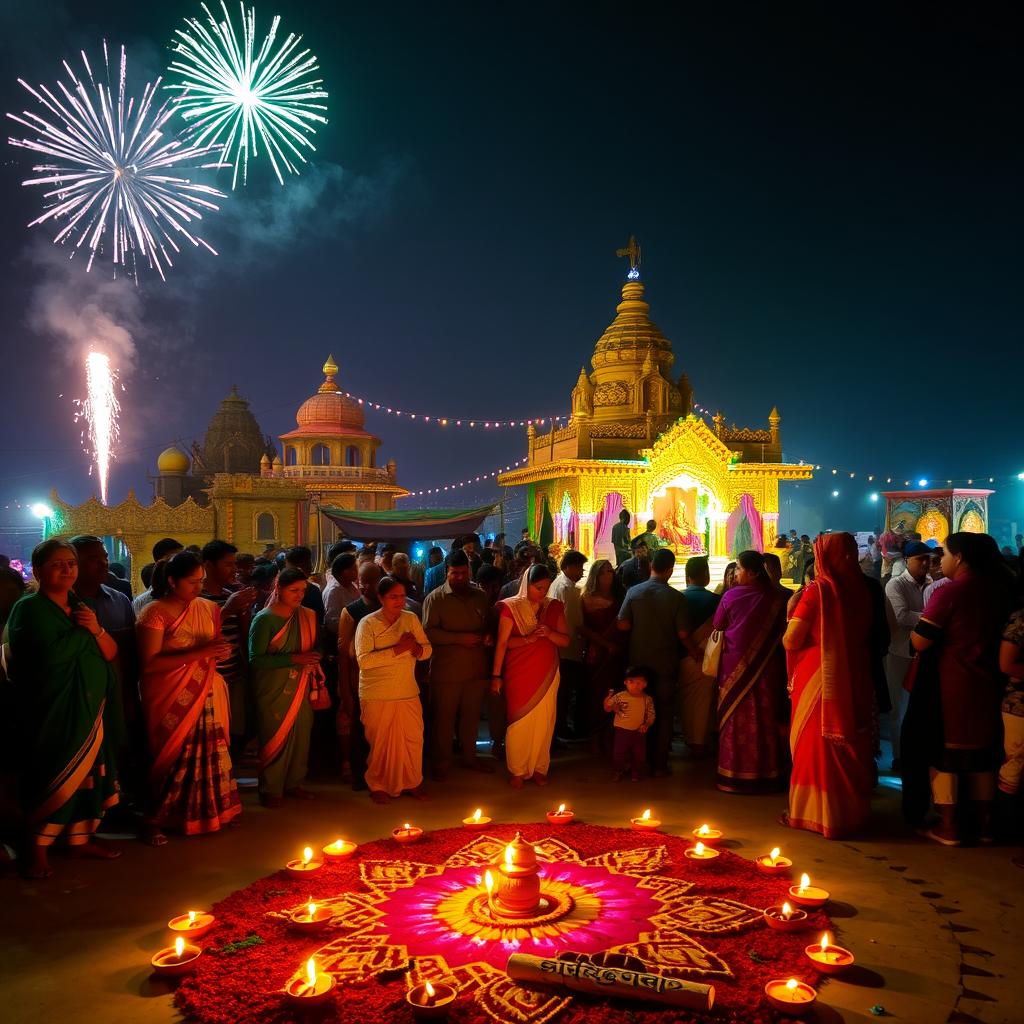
[(634, 714)]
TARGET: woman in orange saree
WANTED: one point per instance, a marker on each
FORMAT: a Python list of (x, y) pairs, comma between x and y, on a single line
[(531, 629), (828, 643), (285, 663), (185, 705)]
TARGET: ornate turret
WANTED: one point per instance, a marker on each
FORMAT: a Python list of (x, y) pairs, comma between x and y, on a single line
[(583, 395), (774, 419), (234, 442)]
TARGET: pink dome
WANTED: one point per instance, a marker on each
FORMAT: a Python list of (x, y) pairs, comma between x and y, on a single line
[(330, 412)]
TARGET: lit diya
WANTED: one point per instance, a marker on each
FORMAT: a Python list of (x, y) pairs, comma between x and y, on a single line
[(701, 854), (339, 850), (428, 1001), (177, 959), (791, 997), (645, 823), (560, 817), (406, 834), (192, 925), (807, 895), (301, 868), (311, 918), (313, 989), (707, 835), (774, 863), (475, 821), (827, 958), (785, 918)]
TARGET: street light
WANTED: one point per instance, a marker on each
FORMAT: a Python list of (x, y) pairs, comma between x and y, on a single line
[(922, 482), (41, 510), (873, 496), (835, 494)]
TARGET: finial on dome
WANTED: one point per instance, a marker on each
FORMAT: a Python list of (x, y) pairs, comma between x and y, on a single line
[(330, 369), (633, 252), (773, 416)]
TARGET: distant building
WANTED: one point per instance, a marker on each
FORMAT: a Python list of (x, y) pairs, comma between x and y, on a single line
[(237, 486)]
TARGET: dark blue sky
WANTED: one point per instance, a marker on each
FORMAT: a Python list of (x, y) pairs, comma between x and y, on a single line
[(828, 201)]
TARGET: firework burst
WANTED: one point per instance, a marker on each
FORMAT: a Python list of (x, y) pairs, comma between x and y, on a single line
[(112, 180), (101, 412), (234, 93)]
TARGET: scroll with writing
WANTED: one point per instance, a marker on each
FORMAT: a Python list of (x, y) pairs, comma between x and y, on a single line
[(613, 977)]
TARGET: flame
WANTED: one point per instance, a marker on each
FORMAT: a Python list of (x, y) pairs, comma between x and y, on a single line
[(703, 830), (787, 911), (508, 855), (824, 942), (337, 845), (791, 984), (774, 856), (561, 808), (312, 910), (700, 849), (307, 855), (179, 947), (311, 972), (646, 816), (406, 826), (488, 881), (805, 881), (430, 991), (191, 918), (476, 814)]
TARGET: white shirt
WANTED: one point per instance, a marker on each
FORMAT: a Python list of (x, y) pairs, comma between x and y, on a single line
[(336, 598), (141, 600), (564, 590), (383, 675), (904, 600)]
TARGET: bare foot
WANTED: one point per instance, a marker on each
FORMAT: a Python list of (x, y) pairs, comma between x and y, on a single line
[(38, 866), (93, 850), (516, 781), (540, 779), (419, 793), (378, 796), (153, 836)]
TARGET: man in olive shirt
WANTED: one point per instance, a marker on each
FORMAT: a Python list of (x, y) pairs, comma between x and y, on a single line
[(455, 619)]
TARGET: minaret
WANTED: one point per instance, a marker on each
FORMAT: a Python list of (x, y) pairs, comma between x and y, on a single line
[(582, 396), (774, 419)]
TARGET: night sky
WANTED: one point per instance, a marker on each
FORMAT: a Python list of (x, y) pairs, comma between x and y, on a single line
[(828, 200)]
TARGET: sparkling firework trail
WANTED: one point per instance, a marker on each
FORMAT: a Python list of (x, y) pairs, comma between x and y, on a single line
[(113, 154), (234, 93), (101, 410)]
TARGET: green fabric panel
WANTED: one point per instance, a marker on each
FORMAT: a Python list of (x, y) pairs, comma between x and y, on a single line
[(547, 525), (396, 517)]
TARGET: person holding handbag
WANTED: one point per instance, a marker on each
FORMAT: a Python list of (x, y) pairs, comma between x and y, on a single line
[(287, 679)]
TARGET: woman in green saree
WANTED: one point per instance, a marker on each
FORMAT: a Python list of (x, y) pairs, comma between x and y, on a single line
[(285, 661), (68, 710)]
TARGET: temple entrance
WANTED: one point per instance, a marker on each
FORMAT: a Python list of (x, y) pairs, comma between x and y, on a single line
[(684, 511)]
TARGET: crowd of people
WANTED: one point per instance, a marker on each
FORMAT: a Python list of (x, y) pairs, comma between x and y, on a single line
[(384, 669)]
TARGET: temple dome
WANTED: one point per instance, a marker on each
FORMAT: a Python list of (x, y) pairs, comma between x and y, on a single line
[(632, 336), (173, 460), (234, 442), (330, 411)]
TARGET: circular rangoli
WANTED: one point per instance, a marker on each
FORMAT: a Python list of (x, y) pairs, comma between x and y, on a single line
[(403, 915)]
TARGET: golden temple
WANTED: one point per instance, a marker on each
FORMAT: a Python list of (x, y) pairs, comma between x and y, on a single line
[(236, 486), (633, 441)]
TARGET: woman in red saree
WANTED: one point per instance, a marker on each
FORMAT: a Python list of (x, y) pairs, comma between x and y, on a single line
[(185, 705), (751, 680), (285, 664), (531, 628), (829, 644)]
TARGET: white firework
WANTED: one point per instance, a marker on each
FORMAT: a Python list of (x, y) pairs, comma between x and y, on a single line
[(102, 412), (234, 93), (112, 179)]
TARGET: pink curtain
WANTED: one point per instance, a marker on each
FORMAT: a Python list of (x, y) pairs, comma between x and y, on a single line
[(745, 510), (572, 530), (607, 518)]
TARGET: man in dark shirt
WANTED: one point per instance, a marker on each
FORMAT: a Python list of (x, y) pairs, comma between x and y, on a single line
[(698, 689), (636, 569), (620, 538)]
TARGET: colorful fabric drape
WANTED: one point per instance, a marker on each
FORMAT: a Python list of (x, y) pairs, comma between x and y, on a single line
[(744, 530), (547, 526), (606, 519), (751, 687), (187, 720), (64, 688), (830, 731)]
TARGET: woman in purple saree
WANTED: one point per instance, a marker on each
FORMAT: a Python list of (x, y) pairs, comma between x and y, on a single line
[(751, 681)]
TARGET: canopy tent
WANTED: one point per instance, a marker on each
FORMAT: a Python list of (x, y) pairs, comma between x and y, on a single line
[(407, 524)]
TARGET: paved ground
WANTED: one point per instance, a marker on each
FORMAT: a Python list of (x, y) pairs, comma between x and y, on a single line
[(938, 933)]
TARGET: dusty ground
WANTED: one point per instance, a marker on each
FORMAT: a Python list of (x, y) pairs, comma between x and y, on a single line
[(938, 933)]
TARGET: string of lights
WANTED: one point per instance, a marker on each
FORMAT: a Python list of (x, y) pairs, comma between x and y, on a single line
[(454, 486), (453, 421)]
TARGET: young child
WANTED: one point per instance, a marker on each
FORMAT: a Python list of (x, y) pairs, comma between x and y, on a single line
[(634, 713)]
